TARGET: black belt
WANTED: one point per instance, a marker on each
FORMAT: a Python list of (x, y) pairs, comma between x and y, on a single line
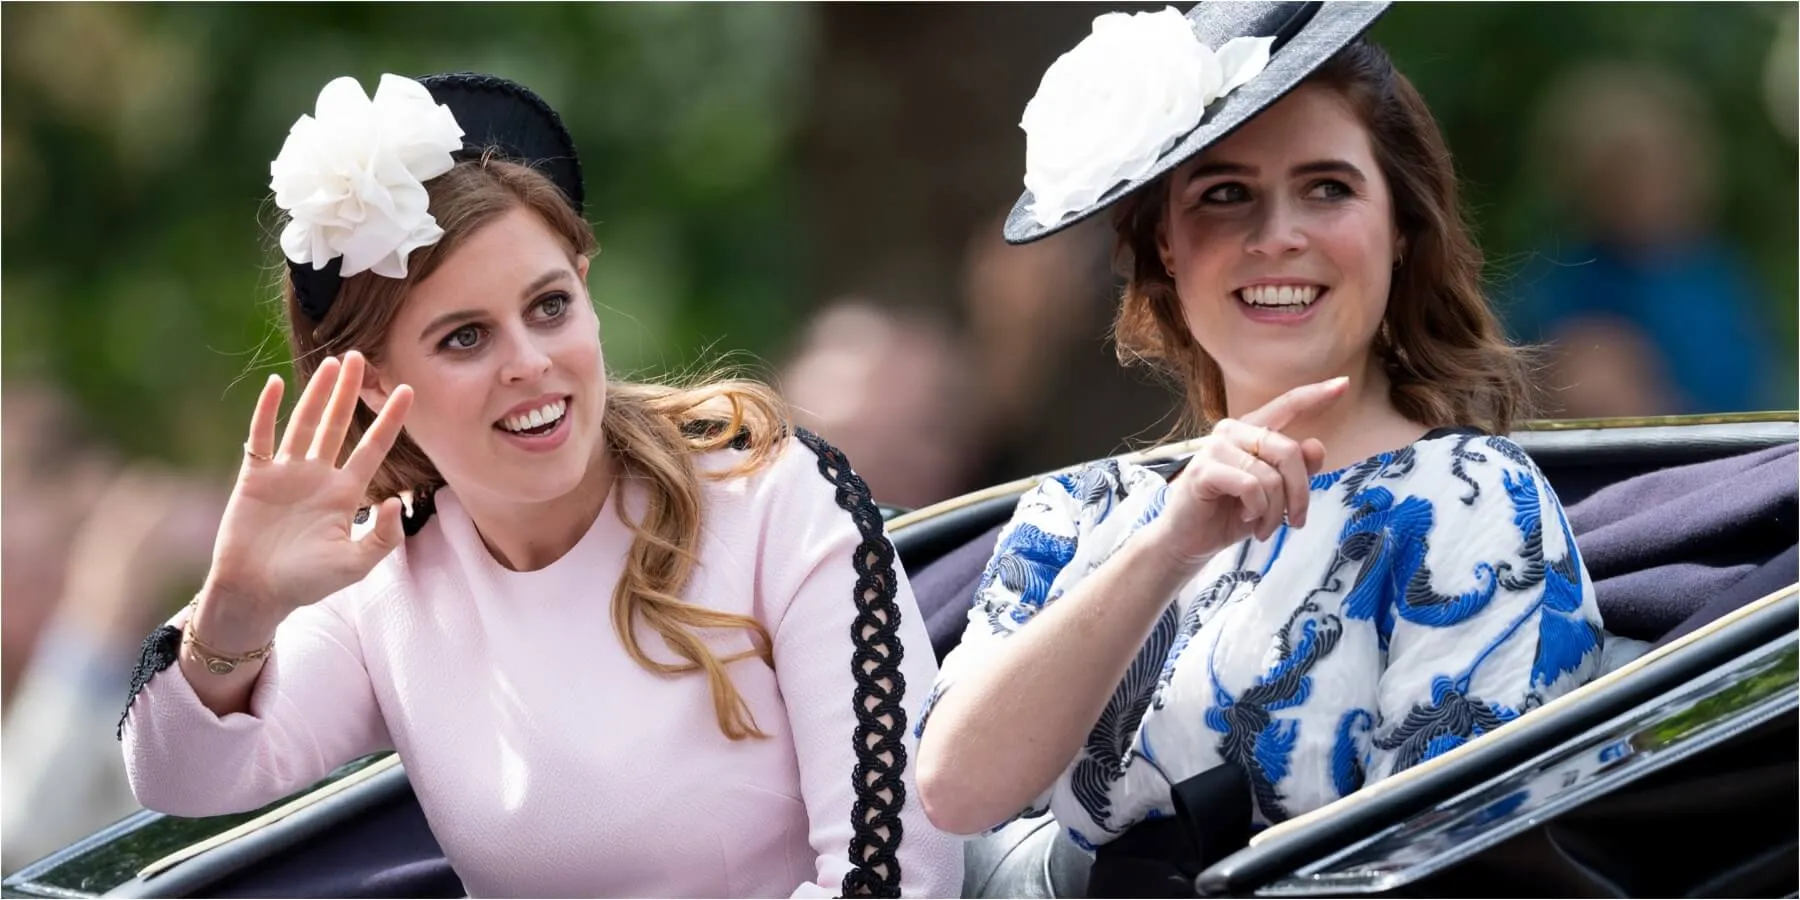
[(1162, 857)]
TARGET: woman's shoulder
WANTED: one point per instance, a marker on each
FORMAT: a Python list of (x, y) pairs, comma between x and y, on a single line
[(798, 455), (1470, 450), (1472, 472), (1074, 501), (1115, 478), (798, 471)]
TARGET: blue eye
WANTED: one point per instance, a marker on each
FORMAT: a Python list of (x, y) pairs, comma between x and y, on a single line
[(1332, 189), (463, 338), (1229, 192), (554, 305)]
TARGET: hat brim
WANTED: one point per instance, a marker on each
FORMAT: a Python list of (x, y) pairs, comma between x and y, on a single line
[(1327, 28)]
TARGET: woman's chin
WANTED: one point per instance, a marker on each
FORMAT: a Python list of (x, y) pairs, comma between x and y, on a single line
[(513, 484), (1269, 382)]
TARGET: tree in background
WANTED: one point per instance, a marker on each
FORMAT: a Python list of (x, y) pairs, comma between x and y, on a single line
[(747, 163), (141, 269), (913, 150)]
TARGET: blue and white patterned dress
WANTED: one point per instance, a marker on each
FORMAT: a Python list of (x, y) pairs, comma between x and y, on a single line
[(1433, 596)]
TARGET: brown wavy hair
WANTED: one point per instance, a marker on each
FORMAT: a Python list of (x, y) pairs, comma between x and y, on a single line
[(653, 431), (1445, 354)]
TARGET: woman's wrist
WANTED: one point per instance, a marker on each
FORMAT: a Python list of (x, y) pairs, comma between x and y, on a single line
[(1162, 548), (233, 622)]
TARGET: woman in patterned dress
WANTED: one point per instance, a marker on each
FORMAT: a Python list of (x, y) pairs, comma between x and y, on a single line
[(1356, 571)]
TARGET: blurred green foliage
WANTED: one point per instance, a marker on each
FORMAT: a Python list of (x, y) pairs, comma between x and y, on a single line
[(140, 265), (1484, 68)]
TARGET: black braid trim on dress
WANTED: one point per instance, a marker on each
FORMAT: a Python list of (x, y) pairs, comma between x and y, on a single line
[(161, 649), (875, 658)]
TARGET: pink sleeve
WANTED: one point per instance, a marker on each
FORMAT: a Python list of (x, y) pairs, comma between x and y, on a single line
[(311, 711), (849, 637)]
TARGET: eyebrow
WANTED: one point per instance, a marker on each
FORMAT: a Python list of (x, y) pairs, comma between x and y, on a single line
[(1316, 167), (465, 315)]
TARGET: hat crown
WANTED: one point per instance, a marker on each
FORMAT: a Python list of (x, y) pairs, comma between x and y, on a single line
[(1298, 37), (1219, 21)]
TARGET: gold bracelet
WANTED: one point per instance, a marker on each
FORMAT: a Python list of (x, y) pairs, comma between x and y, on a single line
[(216, 662)]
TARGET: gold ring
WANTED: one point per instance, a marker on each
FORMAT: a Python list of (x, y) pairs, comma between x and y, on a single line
[(1256, 446), (255, 455)]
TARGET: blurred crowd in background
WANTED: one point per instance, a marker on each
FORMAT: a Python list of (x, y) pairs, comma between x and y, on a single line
[(810, 193)]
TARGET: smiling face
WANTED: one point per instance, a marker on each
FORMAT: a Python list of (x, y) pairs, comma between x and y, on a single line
[(502, 349), (1281, 241)]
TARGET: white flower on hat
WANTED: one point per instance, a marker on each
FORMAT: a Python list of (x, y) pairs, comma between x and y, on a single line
[(352, 175), (1108, 109)]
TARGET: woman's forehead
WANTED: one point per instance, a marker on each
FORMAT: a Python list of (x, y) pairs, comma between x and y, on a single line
[(1314, 122), (498, 261)]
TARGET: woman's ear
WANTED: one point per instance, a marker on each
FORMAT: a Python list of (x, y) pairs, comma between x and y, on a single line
[(1163, 253), (581, 266), (375, 389)]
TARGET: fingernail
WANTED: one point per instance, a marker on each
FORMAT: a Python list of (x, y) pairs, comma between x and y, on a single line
[(1339, 381)]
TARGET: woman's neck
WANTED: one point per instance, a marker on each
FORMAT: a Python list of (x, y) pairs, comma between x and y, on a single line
[(525, 537), (1362, 423)]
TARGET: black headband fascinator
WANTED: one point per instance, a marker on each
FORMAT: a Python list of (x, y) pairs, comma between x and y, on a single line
[(495, 115)]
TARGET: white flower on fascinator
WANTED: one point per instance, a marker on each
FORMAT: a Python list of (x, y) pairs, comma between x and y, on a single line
[(1108, 109), (352, 175)]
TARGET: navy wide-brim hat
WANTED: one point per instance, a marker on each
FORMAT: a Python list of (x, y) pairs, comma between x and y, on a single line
[(1305, 35)]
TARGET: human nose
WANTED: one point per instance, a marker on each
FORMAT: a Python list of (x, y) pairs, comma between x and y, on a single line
[(526, 361), (1280, 230)]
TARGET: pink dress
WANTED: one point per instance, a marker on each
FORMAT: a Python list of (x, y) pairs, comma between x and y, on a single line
[(550, 764)]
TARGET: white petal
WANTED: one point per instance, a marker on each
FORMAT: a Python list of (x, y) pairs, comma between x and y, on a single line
[(395, 90), (369, 243), (296, 242), (392, 265), (297, 160), (422, 133), (342, 99), (1243, 59), (322, 249), (425, 235), (1106, 110), (1209, 79)]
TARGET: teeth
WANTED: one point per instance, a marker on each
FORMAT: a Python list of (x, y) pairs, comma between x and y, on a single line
[(536, 418), (1280, 294)]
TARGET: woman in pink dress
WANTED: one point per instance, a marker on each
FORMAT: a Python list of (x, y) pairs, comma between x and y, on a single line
[(627, 639)]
